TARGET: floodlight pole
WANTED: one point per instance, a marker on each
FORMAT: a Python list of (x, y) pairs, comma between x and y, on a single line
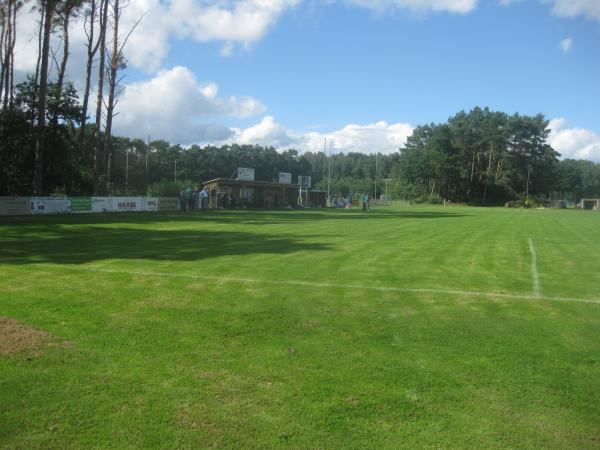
[(329, 176), (126, 169), (375, 198), (386, 186), (527, 187), (324, 161), (147, 177)]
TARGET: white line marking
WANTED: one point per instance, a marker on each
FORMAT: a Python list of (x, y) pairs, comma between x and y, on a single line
[(537, 289), (340, 286)]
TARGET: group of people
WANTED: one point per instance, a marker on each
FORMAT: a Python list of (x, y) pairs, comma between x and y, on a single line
[(340, 202), (192, 198)]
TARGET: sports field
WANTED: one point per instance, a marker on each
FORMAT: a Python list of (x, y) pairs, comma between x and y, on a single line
[(404, 328)]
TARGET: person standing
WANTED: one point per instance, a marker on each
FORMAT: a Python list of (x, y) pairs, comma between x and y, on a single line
[(203, 199), (364, 198), (189, 196), (182, 200)]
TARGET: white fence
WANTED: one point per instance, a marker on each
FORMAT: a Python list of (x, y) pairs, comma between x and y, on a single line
[(11, 206)]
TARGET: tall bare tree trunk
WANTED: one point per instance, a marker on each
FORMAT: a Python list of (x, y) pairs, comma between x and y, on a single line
[(40, 143), (112, 83), (490, 159), (489, 171), (66, 16), (4, 14), (100, 95), (91, 53), (37, 70), (7, 46), (63, 63), (12, 54)]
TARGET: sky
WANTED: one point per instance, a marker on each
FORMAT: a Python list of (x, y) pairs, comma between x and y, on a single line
[(360, 73)]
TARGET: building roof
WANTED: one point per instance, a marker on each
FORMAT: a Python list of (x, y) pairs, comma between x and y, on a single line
[(251, 183)]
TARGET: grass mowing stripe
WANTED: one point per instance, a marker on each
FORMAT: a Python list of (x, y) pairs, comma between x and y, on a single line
[(339, 285), (537, 290)]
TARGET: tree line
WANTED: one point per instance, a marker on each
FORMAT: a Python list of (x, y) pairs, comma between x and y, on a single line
[(45, 137), (57, 139)]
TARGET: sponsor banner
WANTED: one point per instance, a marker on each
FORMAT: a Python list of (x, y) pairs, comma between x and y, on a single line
[(245, 174), (150, 204), (14, 206), (49, 205), (128, 204), (56, 205), (81, 204), (101, 204), (285, 178), (168, 203)]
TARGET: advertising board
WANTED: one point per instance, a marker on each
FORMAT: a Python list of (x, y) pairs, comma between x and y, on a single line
[(304, 181), (101, 204), (81, 204), (12, 206), (168, 203), (245, 174), (50, 205), (150, 204), (285, 178), (128, 204), (58, 205)]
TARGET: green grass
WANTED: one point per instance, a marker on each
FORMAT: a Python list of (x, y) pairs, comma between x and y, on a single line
[(406, 328)]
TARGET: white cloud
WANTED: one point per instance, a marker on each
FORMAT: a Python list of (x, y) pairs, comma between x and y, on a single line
[(148, 44), (378, 137), (171, 105), (589, 9), (244, 21), (371, 138), (509, 2), (574, 143), (417, 6), (566, 45), (268, 133), (234, 23)]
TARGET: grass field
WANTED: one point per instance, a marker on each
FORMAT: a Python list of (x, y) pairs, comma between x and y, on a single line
[(407, 328)]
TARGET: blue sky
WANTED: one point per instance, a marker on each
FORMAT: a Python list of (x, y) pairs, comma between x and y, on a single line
[(339, 65), (361, 73)]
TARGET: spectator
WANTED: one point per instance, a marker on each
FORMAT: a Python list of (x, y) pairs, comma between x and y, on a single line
[(204, 199)]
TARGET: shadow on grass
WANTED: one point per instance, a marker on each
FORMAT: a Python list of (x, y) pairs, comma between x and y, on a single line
[(255, 217), (54, 244), (79, 239), (293, 216)]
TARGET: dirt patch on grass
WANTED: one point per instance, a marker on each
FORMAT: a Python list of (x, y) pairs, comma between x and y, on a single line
[(16, 337)]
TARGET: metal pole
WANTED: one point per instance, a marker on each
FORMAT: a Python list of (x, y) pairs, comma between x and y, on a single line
[(386, 187), (324, 161), (329, 177), (108, 174), (147, 177), (527, 187), (175, 170), (126, 170), (376, 176)]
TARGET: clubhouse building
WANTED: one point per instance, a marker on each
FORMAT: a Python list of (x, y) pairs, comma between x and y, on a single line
[(245, 192)]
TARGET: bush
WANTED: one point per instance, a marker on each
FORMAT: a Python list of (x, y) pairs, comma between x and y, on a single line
[(167, 188), (427, 199)]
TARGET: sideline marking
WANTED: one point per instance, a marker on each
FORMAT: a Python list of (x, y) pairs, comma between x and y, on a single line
[(537, 289), (341, 286)]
